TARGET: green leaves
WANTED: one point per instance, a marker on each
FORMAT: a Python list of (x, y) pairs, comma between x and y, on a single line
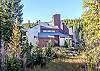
[(9, 11), (90, 33), (13, 64), (66, 44), (90, 20)]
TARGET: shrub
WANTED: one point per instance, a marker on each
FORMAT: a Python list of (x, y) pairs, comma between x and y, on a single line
[(13, 64), (65, 44), (37, 58)]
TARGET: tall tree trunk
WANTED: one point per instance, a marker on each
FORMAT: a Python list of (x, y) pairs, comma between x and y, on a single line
[(90, 67), (0, 52), (0, 40)]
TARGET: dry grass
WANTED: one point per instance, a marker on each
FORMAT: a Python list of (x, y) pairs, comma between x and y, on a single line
[(63, 65), (60, 66), (71, 63)]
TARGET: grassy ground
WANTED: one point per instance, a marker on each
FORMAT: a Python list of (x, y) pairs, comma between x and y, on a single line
[(70, 63), (59, 67), (66, 65), (62, 66)]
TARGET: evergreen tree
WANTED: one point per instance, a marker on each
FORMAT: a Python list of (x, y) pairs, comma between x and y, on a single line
[(9, 10), (15, 8), (1, 11), (15, 40)]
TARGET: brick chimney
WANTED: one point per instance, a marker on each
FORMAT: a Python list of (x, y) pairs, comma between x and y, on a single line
[(57, 20)]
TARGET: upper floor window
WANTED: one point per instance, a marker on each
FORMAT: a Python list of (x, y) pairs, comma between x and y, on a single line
[(48, 30)]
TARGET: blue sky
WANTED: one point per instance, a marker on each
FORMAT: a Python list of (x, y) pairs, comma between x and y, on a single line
[(44, 9)]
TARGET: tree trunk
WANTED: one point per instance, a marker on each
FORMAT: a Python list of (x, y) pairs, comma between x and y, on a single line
[(0, 52), (90, 67)]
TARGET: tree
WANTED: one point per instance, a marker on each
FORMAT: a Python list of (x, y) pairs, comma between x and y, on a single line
[(14, 45), (91, 23), (13, 64), (9, 10), (91, 30), (15, 10), (5, 24), (1, 10), (76, 25)]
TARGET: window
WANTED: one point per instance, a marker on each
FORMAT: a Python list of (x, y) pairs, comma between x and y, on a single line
[(44, 30), (48, 30), (53, 30)]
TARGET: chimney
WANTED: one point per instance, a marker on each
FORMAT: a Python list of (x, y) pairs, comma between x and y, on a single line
[(28, 21), (57, 20), (39, 21)]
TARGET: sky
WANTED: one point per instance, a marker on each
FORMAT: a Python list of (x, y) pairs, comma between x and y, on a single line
[(44, 9)]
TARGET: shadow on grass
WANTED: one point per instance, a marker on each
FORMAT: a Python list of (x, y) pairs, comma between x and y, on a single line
[(61, 66)]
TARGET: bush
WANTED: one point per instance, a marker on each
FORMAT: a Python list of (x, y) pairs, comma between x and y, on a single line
[(65, 44), (37, 58), (13, 64), (48, 53)]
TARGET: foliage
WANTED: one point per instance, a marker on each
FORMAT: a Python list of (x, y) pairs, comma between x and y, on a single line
[(28, 25), (66, 44), (76, 25), (48, 53), (9, 11), (72, 22), (91, 19), (37, 58), (15, 40), (28, 57), (10, 33), (15, 10), (5, 21), (13, 64), (91, 30)]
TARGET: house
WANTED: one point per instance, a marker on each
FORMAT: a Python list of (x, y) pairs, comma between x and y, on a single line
[(55, 31)]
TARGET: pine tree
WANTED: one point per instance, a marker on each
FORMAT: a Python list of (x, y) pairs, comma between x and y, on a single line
[(15, 7), (1, 11), (9, 10), (15, 40)]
